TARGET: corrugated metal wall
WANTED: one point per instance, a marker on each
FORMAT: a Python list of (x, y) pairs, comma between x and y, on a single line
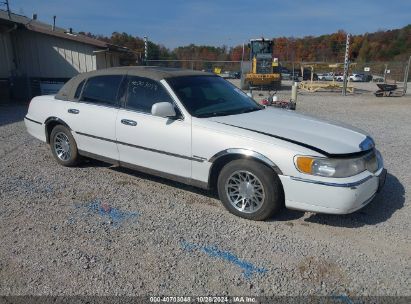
[(107, 60), (6, 58), (45, 56)]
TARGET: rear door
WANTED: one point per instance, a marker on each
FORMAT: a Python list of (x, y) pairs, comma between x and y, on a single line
[(150, 142), (92, 115)]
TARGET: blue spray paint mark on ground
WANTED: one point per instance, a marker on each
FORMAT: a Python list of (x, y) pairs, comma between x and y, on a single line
[(114, 215), (248, 268), (71, 220), (342, 299), (30, 186)]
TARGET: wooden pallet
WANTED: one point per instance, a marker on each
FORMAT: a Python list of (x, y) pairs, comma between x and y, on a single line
[(323, 85)]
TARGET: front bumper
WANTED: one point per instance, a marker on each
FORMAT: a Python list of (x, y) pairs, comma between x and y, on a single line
[(332, 198)]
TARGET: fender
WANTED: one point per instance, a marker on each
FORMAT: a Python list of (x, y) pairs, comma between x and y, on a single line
[(51, 120), (248, 154)]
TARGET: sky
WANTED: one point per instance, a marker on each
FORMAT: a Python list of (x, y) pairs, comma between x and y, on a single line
[(219, 22)]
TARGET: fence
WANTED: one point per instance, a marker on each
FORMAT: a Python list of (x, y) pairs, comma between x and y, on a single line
[(201, 65), (392, 70)]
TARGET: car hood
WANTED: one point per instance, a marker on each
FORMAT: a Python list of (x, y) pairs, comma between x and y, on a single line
[(326, 137)]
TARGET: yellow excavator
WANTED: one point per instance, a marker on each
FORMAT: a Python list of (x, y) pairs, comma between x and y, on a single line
[(262, 71)]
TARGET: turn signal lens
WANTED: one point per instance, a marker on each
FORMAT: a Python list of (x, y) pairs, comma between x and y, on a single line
[(304, 164)]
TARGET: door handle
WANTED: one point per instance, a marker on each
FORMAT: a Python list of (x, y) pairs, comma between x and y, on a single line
[(73, 111), (129, 122)]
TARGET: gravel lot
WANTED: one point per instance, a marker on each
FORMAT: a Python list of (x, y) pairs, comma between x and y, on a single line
[(101, 230)]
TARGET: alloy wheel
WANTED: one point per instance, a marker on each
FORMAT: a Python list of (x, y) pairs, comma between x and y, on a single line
[(62, 146), (245, 191)]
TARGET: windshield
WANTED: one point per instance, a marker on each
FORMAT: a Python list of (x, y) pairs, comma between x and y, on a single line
[(261, 47), (208, 96)]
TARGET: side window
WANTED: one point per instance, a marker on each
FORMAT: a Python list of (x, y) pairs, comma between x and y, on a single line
[(142, 93), (78, 90), (102, 89)]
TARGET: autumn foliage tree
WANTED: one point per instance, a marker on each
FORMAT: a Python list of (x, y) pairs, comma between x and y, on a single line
[(379, 46)]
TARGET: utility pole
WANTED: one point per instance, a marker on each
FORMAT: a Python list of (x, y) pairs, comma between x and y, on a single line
[(54, 22), (145, 50), (385, 73), (346, 65), (242, 60), (407, 69), (6, 3)]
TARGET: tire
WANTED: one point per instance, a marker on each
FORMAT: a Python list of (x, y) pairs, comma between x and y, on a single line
[(64, 147), (257, 207)]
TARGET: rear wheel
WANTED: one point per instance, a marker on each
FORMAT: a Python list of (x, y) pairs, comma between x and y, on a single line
[(63, 146), (250, 190)]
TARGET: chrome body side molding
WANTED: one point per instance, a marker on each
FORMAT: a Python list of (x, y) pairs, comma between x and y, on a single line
[(180, 179), (248, 154)]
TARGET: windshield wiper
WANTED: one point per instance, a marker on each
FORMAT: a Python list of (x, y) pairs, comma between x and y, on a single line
[(213, 114), (226, 113), (248, 110)]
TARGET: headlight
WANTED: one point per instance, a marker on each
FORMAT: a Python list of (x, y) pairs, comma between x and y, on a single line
[(337, 167)]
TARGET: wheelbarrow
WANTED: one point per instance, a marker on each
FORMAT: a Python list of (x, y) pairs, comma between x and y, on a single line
[(388, 90)]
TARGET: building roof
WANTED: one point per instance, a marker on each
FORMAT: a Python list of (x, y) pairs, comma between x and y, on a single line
[(156, 73), (47, 29)]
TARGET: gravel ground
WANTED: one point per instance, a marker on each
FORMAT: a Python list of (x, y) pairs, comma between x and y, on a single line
[(101, 230)]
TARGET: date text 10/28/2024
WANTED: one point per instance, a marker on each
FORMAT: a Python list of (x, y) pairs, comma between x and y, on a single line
[(202, 299)]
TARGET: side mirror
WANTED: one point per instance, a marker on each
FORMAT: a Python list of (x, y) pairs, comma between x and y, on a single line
[(163, 109)]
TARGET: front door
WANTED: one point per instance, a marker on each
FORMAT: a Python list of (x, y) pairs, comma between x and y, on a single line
[(156, 143)]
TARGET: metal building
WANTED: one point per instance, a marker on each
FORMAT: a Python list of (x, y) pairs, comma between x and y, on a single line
[(38, 58)]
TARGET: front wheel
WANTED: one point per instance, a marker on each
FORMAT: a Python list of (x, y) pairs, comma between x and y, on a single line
[(63, 146), (250, 190)]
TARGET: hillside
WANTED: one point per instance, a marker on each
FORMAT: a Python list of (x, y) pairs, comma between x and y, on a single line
[(390, 45)]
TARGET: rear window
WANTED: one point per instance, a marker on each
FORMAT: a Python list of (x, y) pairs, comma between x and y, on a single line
[(102, 90), (79, 89)]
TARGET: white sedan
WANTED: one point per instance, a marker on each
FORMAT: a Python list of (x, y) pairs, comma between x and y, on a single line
[(198, 129)]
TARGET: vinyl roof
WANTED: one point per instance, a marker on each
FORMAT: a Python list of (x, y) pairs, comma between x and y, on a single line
[(153, 72), (156, 73)]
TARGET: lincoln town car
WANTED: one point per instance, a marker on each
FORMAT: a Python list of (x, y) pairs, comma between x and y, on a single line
[(199, 129)]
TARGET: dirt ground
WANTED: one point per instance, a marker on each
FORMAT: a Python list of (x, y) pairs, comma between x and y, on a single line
[(102, 230)]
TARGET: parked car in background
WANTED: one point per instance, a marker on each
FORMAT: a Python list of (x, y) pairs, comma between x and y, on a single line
[(306, 75), (285, 73), (366, 77), (326, 76), (235, 75), (339, 77), (377, 79), (225, 75), (356, 77), (199, 129)]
